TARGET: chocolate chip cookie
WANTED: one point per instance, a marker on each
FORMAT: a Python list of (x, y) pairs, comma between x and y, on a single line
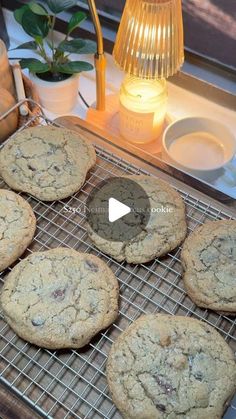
[(165, 230), (169, 367), (209, 261), (47, 162), (60, 298), (17, 227)]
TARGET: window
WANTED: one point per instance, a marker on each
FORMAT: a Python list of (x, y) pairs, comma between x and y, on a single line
[(210, 29), (210, 26), (106, 6)]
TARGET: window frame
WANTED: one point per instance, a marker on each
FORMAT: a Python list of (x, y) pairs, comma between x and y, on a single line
[(192, 81), (112, 22)]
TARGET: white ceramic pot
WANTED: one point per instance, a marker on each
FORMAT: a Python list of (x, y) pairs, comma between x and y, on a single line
[(58, 97)]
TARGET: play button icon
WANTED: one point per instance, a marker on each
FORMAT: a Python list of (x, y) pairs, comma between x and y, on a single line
[(118, 209)]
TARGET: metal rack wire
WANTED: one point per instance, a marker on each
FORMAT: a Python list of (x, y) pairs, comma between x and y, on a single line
[(72, 384)]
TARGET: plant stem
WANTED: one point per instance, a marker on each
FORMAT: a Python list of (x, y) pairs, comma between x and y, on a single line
[(53, 21), (44, 54), (66, 57)]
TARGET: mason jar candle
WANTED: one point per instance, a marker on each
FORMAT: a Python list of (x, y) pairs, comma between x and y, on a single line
[(143, 105)]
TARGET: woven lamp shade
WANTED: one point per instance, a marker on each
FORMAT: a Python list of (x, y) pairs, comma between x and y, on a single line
[(149, 42)]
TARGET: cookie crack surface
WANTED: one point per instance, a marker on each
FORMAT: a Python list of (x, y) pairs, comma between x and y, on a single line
[(186, 368), (57, 290), (48, 162), (209, 260)]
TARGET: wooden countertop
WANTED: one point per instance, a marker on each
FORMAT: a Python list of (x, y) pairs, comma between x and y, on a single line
[(13, 407)]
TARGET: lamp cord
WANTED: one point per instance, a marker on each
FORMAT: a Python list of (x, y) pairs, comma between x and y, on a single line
[(84, 100)]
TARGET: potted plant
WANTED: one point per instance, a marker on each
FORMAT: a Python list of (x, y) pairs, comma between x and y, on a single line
[(54, 74)]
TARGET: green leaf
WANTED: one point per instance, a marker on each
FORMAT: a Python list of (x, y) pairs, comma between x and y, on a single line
[(37, 8), (78, 46), (39, 40), (18, 13), (35, 25), (71, 46), (34, 65), (74, 67), (27, 45), (90, 47), (58, 6), (75, 20)]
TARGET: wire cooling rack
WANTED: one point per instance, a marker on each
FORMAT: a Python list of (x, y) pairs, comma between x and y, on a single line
[(72, 384)]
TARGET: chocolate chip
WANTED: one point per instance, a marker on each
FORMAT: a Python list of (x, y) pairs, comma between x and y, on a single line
[(38, 322), (205, 328), (161, 407), (166, 387), (198, 375), (53, 149), (59, 294), (31, 168), (190, 361), (57, 169), (91, 265), (18, 154)]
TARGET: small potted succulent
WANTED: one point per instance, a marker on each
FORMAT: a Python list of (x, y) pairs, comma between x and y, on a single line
[(53, 73)]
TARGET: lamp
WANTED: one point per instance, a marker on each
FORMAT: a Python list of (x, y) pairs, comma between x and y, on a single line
[(149, 42), (100, 59), (149, 48)]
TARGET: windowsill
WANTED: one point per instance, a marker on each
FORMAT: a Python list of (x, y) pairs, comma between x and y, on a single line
[(182, 103), (201, 68)]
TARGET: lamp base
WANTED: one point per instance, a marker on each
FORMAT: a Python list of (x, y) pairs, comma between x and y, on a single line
[(108, 122)]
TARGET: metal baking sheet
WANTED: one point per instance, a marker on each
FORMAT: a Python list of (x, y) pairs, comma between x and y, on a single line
[(72, 384), (222, 180)]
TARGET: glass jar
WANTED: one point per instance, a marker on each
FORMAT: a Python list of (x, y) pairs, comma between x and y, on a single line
[(143, 105)]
